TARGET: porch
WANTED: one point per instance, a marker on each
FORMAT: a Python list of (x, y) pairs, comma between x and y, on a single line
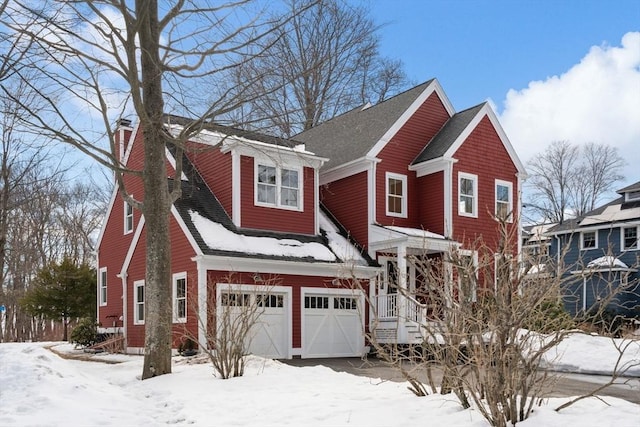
[(400, 303)]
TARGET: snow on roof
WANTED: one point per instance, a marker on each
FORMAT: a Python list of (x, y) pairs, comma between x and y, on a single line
[(339, 244), (610, 214), (606, 261), (415, 232), (218, 237)]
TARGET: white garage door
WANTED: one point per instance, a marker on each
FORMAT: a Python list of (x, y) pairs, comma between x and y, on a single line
[(332, 324), (269, 336)]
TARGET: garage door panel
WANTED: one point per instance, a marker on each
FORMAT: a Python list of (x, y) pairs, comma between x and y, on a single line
[(333, 326)]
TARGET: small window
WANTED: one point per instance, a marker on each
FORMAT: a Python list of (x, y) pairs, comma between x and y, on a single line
[(278, 187), (589, 240), (270, 301), (232, 299), (317, 302), (629, 238), (128, 218), (504, 202), (103, 286), (396, 195), (345, 303), (138, 302), (180, 298), (468, 194)]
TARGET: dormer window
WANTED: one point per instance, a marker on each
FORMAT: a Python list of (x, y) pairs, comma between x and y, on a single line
[(632, 196), (278, 187), (128, 218)]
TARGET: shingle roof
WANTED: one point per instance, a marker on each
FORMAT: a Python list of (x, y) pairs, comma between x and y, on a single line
[(353, 134), (451, 130), (574, 223), (198, 198)]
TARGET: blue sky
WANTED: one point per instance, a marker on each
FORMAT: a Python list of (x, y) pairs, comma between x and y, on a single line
[(553, 69)]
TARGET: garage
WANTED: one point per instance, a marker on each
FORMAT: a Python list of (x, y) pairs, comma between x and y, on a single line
[(270, 334), (332, 323)]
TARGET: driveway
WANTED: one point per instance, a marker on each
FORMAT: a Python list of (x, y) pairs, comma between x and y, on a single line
[(567, 384)]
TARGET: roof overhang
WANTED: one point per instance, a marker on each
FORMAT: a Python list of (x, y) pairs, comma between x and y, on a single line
[(276, 153), (384, 238), (347, 169), (271, 266), (432, 166)]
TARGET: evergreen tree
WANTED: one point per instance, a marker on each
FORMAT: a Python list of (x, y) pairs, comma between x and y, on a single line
[(62, 292)]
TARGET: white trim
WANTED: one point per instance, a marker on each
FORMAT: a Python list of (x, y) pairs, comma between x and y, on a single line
[(270, 266), (474, 178), (486, 110), (136, 303), (236, 192), (432, 166), (277, 154), (185, 231), (509, 185), (174, 297), (126, 207), (447, 178), (132, 139), (102, 284), (433, 87), (278, 185), (276, 289), (595, 232), (354, 293), (203, 308), (132, 247), (637, 244), (348, 169), (403, 196), (371, 201), (107, 215), (125, 308)]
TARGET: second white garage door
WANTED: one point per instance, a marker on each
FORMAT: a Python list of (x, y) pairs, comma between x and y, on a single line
[(332, 323)]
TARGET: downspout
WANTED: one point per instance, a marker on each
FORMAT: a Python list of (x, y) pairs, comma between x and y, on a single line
[(202, 303), (123, 277)]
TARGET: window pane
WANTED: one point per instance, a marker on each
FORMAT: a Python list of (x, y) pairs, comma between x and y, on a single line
[(289, 197), (267, 174), (466, 187), (630, 237), (502, 193), (466, 204), (589, 240), (395, 187), (395, 204), (289, 178), (181, 288), (266, 194)]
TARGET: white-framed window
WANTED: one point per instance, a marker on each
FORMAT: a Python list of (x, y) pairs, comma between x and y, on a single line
[(278, 186), (396, 194), (102, 286), (138, 302), (632, 195), (504, 200), (180, 298), (588, 240), (629, 238), (467, 194), (128, 218)]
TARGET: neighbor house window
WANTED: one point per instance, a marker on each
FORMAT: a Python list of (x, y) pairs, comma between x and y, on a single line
[(396, 195), (468, 194), (180, 298), (629, 238), (279, 187), (589, 240), (138, 302), (103, 286), (128, 218), (504, 201)]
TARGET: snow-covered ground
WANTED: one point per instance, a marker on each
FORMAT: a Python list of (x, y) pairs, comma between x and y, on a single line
[(37, 387)]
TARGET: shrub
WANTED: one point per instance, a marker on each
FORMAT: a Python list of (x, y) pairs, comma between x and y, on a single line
[(85, 333)]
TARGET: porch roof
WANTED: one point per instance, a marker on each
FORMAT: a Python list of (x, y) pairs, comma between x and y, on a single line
[(387, 237)]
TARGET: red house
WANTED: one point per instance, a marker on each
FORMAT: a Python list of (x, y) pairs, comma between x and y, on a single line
[(352, 197)]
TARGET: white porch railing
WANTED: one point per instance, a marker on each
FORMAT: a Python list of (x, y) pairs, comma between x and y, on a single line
[(388, 308)]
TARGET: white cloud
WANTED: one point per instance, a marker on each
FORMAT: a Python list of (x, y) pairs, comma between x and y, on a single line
[(597, 100)]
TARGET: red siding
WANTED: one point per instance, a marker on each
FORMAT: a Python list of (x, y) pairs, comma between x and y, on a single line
[(294, 281), (398, 154), (430, 201), (215, 168), (347, 199), (181, 254), (274, 219), (482, 154)]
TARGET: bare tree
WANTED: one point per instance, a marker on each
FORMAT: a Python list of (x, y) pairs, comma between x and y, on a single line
[(323, 62), (113, 58), (568, 179)]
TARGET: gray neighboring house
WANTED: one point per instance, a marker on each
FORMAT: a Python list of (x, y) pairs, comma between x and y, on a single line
[(599, 253)]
